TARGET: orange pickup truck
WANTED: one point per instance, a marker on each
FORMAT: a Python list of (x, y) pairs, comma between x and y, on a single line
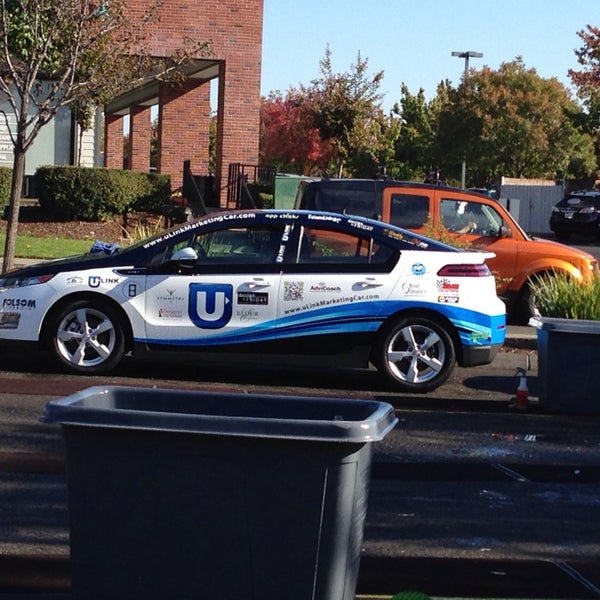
[(474, 218)]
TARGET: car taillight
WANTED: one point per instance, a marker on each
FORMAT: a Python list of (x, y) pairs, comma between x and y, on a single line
[(479, 270)]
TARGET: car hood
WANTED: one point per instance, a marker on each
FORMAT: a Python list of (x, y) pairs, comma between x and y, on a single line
[(561, 249), (75, 263)]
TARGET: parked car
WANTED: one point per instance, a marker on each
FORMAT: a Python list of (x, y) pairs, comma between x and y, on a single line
[(577, 213), (476, 219), (296, 286)]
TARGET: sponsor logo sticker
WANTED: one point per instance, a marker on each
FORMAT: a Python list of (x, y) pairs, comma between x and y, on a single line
[(95, 281), (19, 303), (324, 287), (412, 289), (210, 305), (418, 269), (260, 298), (74, 280), (293, 291)]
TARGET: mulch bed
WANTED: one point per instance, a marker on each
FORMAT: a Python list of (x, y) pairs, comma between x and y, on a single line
[(33, 223)]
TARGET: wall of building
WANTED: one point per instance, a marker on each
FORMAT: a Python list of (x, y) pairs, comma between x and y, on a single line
[(234, 30), (52, 145)]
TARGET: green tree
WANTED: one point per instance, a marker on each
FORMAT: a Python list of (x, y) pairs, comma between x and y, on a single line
[(414, 146), (346, 110), (513, 122), (70, 53)]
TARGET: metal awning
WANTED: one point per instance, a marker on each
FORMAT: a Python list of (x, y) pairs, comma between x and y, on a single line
[(147, 93)]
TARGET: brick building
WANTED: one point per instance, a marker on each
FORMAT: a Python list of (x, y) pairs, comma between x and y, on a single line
[(234, 30)]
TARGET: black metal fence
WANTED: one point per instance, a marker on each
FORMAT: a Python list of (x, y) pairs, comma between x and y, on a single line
[(245, 183)]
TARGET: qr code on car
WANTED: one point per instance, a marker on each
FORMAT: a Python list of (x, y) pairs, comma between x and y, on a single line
[(293, 290)]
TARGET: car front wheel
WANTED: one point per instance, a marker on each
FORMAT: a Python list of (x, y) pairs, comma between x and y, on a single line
[(415, 354), (87, 337)]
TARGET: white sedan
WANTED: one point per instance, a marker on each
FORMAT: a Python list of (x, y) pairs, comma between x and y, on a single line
[(297, 287)]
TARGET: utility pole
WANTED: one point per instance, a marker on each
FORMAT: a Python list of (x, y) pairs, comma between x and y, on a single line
[(466, 55)]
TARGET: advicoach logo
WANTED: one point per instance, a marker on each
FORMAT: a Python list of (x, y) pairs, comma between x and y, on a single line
[(210, 305)]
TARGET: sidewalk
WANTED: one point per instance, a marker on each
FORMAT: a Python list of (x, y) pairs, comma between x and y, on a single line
[(19, 263)]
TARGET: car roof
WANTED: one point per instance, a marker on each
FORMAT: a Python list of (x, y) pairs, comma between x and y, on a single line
[(587, 197), (403, 238), (380, 184), (584, 194)]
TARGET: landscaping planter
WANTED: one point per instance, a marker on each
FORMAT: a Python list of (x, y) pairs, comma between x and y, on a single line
[(568, 365)]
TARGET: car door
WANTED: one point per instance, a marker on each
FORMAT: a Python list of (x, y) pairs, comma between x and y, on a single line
[(332, 288), (227, 296)]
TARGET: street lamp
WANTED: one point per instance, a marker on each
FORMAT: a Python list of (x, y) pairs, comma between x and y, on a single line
[(466, 55)]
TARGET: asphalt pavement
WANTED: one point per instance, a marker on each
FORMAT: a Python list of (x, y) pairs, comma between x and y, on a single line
[(37, 566)]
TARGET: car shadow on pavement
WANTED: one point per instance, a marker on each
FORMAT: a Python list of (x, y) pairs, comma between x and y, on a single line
[(488, 392)]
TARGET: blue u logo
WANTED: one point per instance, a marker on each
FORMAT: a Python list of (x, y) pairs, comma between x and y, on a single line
[(210, 305)]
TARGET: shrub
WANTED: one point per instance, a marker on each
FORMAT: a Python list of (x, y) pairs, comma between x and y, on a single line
[(262, 194), (157, 196), (441, 234), (93, 194), (557, 294), (5, 184)]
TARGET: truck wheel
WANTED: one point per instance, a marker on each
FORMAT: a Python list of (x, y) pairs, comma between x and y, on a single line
[(526, 306), (415, 354)]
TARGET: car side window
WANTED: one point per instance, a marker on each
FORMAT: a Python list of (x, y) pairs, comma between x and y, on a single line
[(238, 245), (462, 216), (224, 250), (332, 250), (409, 211)]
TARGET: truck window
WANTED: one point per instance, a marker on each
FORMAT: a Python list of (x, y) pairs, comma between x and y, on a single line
[(462, 216), (409, 210), (346, 201)]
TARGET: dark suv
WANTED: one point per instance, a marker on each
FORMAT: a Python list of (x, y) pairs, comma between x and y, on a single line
[(579, 213)]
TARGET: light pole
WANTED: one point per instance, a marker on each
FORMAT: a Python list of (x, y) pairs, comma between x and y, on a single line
[(466, 55)]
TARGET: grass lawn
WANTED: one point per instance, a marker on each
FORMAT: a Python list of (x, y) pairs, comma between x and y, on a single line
[(47, 248)]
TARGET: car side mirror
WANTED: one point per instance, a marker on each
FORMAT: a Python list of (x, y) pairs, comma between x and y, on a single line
[(185, 255), (504, 232)]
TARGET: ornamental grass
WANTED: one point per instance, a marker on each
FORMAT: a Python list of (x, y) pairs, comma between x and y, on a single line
[(561, 296)]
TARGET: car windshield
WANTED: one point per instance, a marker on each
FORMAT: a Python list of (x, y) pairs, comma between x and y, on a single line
[(579, 202), (161, 235)]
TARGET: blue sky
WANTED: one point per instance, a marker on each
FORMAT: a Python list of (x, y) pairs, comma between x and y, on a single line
[(412, 41)]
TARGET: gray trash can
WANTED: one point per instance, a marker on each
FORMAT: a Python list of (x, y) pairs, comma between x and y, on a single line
[(568, 359), (178, 494)]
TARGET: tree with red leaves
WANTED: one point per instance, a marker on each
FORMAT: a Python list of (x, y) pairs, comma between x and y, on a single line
[(289, 140), (587, 80)]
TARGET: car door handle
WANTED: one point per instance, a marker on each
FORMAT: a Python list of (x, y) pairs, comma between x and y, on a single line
[(369, 283), (258, 283)]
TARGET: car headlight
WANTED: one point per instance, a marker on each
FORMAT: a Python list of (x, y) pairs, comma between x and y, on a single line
[(19, 281)]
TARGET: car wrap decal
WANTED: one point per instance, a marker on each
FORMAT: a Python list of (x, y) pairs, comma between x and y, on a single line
[(474, 328), (473, 334)]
